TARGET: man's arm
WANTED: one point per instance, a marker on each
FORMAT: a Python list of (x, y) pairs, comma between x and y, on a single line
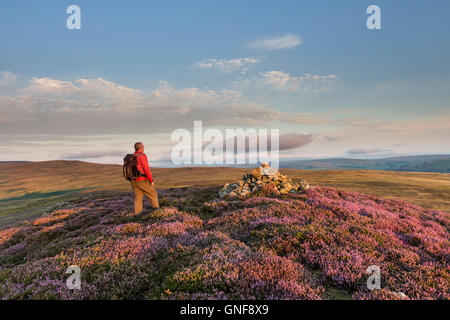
[(146, 167)]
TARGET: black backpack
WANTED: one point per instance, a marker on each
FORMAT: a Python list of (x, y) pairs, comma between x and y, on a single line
[(129, 168)]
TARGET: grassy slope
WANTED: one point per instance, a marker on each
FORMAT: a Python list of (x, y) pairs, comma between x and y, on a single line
[(26, 189), (429, 190)]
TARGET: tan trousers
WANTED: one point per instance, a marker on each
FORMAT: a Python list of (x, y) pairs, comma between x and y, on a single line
[(144, 187)]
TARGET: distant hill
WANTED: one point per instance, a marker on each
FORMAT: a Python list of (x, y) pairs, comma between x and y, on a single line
[(427, 163), (14, 161)]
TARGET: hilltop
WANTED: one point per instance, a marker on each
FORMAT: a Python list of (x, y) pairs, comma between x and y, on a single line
[(28, 189), (316, 245), (425, 163)]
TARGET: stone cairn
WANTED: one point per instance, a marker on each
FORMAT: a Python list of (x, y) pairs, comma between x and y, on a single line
[(255, 182)]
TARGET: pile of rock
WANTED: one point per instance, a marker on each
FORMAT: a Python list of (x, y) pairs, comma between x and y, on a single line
[(255, 183)]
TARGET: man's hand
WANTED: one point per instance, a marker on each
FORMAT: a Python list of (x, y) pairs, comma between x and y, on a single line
[(152, 183)]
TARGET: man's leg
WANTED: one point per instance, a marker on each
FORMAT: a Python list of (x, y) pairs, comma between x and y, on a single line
[(138, 197), (150, 192)]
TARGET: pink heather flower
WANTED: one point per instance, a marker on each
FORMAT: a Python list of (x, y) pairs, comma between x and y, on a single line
[(278, 247)]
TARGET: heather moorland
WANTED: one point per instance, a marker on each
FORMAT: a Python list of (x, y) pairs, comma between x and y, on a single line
[(316, 245), (28, 189)]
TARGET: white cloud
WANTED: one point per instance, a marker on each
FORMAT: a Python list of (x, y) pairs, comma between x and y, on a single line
[(285, 82), (47, 85), (224, 65), (47, 93), (7, 78), (279, 43), (165, 94), (48, 106)]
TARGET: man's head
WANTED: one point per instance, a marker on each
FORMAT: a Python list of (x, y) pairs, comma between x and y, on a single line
[(139, 146), (265, 165)]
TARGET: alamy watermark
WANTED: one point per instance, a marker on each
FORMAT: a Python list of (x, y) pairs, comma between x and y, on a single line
[(374, 280), (74, 20), (74, 281), (373, 22), (237, 146)]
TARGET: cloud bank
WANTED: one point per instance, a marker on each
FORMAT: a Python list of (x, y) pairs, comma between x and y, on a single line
[(47, 106), (46, 118)]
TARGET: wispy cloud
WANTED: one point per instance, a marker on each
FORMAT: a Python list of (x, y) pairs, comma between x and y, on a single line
[(362, 151), (285, 82), (293, 140), (224, 65), (279, 43)]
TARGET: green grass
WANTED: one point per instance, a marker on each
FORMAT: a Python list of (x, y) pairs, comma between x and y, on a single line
[(32, 205)]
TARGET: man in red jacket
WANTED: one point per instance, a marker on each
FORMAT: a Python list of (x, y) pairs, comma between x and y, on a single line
[(144, 183)]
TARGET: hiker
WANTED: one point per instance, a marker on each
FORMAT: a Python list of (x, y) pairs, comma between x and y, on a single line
[(143, 182)]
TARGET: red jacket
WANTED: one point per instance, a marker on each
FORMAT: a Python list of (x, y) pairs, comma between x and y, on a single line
[(143, 167)]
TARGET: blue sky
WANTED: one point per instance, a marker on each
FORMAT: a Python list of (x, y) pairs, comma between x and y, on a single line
[(140, 69)]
